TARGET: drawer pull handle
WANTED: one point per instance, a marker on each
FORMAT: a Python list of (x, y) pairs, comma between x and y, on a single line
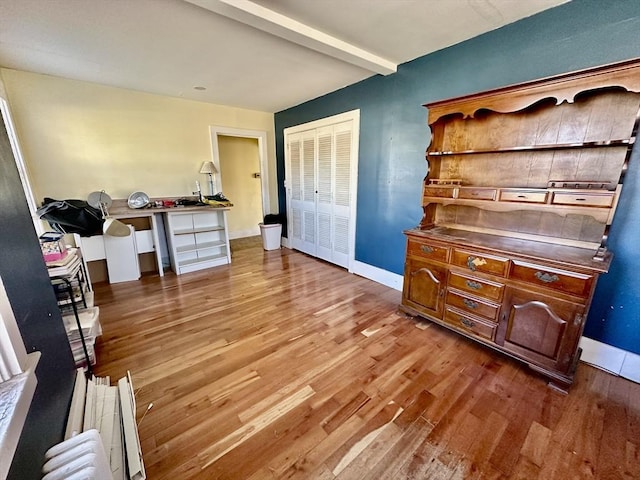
[(473, 285), (470, 303), (581, 199), (474, 262), (426, 248), (522, 196), (546, 277), (467, 323)]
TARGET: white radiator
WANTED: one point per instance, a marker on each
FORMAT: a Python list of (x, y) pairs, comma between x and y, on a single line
[(79, 458)]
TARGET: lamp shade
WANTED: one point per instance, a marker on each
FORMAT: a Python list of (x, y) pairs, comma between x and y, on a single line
[(208, 167)]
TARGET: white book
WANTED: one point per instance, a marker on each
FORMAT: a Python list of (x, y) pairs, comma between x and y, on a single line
[(76, 410), (89, 406), (133, 450)]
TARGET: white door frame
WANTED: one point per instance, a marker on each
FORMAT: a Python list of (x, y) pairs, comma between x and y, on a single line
[(354, 116), (261, 136)]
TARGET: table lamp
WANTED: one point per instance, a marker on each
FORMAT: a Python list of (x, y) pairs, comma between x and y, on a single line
[(210, 169)]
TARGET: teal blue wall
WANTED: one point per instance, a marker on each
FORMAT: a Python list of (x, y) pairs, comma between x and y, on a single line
[(394, 135)]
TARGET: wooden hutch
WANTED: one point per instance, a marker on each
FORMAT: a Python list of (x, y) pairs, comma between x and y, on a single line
[(521, 188)]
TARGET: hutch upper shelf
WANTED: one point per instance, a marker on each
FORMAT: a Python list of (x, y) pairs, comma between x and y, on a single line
[(556, 149)]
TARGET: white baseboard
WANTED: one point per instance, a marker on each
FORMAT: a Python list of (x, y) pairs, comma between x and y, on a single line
[(391, 280), (611, 359), (600, 355), (251, 232)]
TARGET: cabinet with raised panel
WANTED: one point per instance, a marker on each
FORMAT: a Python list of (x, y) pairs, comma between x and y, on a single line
[(541, 327), (424, 287), (522, 186)]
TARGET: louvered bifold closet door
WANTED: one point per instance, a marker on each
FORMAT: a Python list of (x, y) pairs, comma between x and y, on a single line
[(325, 173), (294, 148), (322, 165), (309, 235), (342, 195)]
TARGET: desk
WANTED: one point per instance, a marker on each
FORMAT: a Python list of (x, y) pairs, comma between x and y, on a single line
[(192, 245)]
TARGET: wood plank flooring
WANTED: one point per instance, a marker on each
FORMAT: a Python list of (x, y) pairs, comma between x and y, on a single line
[(280, 366)]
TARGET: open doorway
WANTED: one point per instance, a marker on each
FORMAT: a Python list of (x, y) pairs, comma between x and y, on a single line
[(240, 168), (241, 160)]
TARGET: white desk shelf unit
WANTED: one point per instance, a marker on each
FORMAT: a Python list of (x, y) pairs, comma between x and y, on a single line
[(198, 240)]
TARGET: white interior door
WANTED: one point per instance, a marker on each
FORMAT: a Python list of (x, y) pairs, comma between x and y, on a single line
[(345, 174), (309, 235), (302, 191), (321, 177), (294, 198), (324, 197)]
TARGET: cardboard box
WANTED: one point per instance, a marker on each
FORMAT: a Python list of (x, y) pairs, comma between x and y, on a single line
[(53, 247)]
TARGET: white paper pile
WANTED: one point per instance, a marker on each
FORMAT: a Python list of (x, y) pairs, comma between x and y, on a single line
[(111, 410), (91, 329)]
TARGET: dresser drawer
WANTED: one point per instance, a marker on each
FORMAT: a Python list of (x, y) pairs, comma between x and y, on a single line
[(443, 192), (569, 282), (472, 305), (478, 327), (527, 196), (471, 193), (481, 288), (587, 199), (475, 262), (423, 249)]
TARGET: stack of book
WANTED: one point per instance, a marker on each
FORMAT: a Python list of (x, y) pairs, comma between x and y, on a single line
[(91, 329), (75, 299)]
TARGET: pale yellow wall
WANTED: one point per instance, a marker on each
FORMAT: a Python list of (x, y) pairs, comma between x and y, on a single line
[(78, 137), (239, 160)]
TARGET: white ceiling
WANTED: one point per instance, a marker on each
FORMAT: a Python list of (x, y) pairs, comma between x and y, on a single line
[(264, 55)]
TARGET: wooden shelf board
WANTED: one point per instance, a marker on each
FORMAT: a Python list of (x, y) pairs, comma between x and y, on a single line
[(600, 214), (528, 148), (199, 246), (215, 228), (209, 258)]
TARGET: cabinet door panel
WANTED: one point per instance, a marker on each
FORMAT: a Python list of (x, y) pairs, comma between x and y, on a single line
[(424, 287), (541, 328)]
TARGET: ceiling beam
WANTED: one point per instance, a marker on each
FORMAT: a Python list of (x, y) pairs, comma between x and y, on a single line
[(257, 16)]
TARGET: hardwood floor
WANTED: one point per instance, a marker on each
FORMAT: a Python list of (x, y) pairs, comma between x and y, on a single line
[(283, 366)]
